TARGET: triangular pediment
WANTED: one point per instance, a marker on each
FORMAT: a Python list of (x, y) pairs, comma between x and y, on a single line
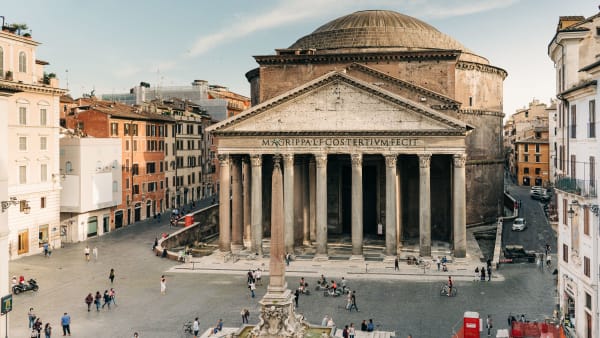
[(337, 102)]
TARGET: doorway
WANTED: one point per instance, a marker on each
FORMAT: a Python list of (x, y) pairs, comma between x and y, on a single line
[(119, 219), (370, 200), (105, 223), (137, 215), (23, 245), (92, 226)]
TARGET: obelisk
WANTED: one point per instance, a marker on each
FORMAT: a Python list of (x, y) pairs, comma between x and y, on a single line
[(277, 317)]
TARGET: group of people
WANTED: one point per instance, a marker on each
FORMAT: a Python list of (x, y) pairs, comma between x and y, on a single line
[(480, 273), (349, 331), (442, 262), (86, 253), (254, 277), (37, 327), (108, 297)]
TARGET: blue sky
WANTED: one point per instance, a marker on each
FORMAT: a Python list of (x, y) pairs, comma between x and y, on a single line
[(111, 46)]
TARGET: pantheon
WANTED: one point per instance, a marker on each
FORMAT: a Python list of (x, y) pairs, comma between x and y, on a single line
[(385, 128)]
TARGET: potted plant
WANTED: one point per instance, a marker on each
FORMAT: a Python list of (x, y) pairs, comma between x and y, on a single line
[(27, 35)]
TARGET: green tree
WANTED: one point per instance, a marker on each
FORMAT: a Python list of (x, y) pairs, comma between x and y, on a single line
[(19, 27)]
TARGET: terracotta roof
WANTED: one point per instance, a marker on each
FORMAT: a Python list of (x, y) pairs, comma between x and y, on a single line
[(120, 110), (533, 140)]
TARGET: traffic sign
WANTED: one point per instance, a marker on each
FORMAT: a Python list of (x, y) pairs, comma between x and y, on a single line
[(6, 304)]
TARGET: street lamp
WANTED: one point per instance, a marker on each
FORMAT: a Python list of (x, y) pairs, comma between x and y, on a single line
[(13, 201)]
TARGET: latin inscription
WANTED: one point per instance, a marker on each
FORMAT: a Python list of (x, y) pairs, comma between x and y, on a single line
[(340, 142)]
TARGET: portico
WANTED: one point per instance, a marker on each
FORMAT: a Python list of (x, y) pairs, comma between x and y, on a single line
[(353, 157)]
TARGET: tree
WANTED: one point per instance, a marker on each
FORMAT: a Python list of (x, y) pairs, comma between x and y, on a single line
[(19, 27)]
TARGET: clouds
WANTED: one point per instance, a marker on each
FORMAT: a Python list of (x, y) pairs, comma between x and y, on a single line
[(292, 11)]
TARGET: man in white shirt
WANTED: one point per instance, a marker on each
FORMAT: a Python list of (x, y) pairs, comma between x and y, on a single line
[(196, 327)]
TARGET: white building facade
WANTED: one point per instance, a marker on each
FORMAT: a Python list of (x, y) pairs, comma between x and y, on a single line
[(574, 50), (92, 185), (33, 120)]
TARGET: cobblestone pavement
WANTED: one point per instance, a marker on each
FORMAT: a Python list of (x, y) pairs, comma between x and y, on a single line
[(405, 302)]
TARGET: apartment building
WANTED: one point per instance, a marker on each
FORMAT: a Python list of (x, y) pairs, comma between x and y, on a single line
[(574, 51), (33, 170)]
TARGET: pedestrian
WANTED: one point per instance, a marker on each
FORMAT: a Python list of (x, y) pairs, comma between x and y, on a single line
[(345, 333), (489, 273), (48, 330), (163, 285), (370, 326), (483, 273), (89, 300), (287, 259), (297, 294), (349, 301), (396, 266), (363, 325), (246, 315), (65, 321), (95, 253), (196, 327), (155, 243), (243, 314), (438, 262), (351, 331), (106, 299), (330, 322), (477, 275), (86, 252), (344, 285), (97, 300), (489, 325), (46, 249), (31, 316), (325, 320), (252, 287), (112, 295), (258, 276), (135, 335), (353, 302), (37, 327), (111, 275)]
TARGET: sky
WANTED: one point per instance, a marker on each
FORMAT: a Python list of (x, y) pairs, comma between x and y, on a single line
[(112, 45)]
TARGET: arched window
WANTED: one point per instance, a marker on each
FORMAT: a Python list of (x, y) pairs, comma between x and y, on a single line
[(1, 62), (22, 62)]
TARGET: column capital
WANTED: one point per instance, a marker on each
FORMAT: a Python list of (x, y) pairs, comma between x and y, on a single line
[(321, 160), (424, 160), (223, 159), (390, 160), (288, 160), (459, 160), (256, 160), (276, 161), (356, 160)]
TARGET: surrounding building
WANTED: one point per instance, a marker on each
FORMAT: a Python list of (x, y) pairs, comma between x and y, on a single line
[(33, 170), (574, 50), (142, 136), (370, 111), (215, 100), (91, 185), (526, 145)]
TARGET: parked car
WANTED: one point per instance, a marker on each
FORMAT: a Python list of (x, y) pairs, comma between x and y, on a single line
[(539, 193), (519, 224), (517, 254)]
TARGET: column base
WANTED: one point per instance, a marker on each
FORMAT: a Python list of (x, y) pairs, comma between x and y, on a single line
[(278, 319), (307, 243), (357, 258), (321, 258)]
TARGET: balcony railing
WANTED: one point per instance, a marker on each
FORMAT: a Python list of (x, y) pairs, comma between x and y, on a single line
[(583, 188)]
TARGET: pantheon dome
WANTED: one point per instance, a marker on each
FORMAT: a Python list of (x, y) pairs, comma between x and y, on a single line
[(377, 30)]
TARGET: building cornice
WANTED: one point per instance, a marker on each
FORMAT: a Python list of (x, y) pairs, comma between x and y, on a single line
[(23, 87), (468, 65), (339, 133), (573, 90), (358, 57), (479, 112)]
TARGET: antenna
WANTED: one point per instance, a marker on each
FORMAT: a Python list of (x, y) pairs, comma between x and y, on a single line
[(67, 76)]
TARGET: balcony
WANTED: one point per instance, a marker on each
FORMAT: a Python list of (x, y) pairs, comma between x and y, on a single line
[(582, 188)]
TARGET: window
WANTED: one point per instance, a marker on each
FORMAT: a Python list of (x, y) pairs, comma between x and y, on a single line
[(134, 145), (526, 148), (161, 166), (22, 174), (126, 128), (565, 253), (525, 158), (525, 170), (586, 266), (22, 143), (564, 209), (526, 113), (114, 129), (135, 169), (43, 202), (127, 183), (43, 234), (586, 221), (538, 171), (537, 148), (136, 189), (23, 116), (43, 143), (115, 186), (22, 62), (573, 166), (573, 121), (592, 120), (592, 171), (43, 117), (151, 186), (44, 172), (537, 158), (126, 145), (150, 168), (588, 301)]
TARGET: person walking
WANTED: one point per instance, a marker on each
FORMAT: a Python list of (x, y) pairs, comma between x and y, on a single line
[(65, 321), (97, 300), (106, 299), (477, 275), (353, 302), (483, 273), (396, 265), (163, 285), (31, 316), (489, 273), (252, 288), (89, 300), (489, 325), (95, 253), (155, 243), (112, 293), (438, 262), (111, 275), (351, 331), (48, 330), (349, 300), (196, 327), (345, 333), (86, 252), (37, 327), (297, 296), (46, 250)]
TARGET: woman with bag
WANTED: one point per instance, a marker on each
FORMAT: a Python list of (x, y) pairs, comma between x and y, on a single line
[(88, 300)]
